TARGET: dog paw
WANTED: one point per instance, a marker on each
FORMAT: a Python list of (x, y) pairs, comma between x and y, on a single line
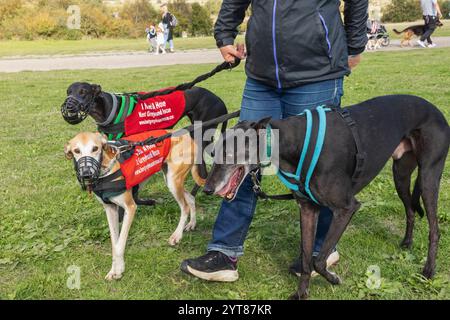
[(175, 239), (428, 272), (406, 244), (113, 275), (294, 296), (299, 296), (334, 279), (190, 226)]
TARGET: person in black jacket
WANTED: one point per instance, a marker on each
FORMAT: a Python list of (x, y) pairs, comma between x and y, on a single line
[(167, 19), (310, 50)]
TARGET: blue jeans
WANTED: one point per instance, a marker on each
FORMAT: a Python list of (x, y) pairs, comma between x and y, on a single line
[(260, 101), (166, 36)]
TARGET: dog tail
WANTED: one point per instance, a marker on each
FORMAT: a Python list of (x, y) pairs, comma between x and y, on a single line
[(195, 171), (415, 200), (399, 32)]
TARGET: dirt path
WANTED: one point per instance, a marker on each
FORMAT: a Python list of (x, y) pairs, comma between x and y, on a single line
[(115, 60)]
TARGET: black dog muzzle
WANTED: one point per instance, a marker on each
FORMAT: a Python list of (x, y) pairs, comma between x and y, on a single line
[(75, 111), (88, 171)]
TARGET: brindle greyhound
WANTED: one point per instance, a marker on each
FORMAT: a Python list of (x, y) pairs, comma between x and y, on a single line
[(201, 105), (407, 128)]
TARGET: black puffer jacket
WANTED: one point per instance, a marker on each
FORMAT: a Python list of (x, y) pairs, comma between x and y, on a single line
[(293, 42)]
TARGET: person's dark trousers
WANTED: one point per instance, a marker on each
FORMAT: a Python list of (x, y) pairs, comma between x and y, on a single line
[(260, 101), (430, 26)]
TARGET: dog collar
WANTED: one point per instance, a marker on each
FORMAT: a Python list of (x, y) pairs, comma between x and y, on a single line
[(113, 111), (268, 162)]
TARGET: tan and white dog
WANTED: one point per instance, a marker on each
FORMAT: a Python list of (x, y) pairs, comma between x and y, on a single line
[(373, 43), (176, 167)]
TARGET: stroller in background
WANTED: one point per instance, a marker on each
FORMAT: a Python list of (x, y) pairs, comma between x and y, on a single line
[(377, 35)]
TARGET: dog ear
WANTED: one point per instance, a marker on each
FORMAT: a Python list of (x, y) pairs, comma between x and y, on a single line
[(96, 89), (261, 124), (68, 152), (104, 140), (105, 146)]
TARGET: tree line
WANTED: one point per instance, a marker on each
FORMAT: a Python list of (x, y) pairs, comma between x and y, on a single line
[(48, 19)]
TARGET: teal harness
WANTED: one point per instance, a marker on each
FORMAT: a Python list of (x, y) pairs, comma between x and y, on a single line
[(287, 177)]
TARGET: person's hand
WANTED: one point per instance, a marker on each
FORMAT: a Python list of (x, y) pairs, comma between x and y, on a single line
[(229, 53), (353, 61)]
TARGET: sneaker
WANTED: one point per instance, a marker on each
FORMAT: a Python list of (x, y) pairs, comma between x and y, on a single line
[(213, 266), (171, 51), (333, 259), (431, 45), (421, 43)]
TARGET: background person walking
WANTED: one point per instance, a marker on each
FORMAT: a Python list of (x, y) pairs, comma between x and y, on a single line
[(431, 13), (160, 43), (169, 23), (151, 37)]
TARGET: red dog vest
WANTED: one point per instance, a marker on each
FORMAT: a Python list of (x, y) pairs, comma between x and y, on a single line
[(159, 112), (146, 160)]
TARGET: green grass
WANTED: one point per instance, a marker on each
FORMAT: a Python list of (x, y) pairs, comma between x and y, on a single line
[(53, 47), (443, 31), (47, 224)]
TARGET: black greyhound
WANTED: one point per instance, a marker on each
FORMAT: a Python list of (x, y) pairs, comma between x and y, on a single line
[(408, 128), (89, 99)]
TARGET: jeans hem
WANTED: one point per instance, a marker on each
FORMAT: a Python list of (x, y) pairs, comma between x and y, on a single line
[(233, 252)]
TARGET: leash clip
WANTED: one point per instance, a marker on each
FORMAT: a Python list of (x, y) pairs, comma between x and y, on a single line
[(121, 147), (256, 183)]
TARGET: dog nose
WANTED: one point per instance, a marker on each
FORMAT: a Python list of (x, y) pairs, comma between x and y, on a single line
[(208, 190), (86, 173)]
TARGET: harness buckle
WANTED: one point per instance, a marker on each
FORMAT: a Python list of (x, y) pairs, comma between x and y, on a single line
[(256, 184), (120, 146)]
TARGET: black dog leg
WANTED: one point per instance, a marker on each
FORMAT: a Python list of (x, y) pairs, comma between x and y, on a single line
[(195, 190), (308, 222), (431, 159), (341, 218), (202, 171), (138, 201), (430, 191), (121, 213), (402, 170), (142, 202)]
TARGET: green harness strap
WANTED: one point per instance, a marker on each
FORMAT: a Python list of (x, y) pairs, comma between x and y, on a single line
[(126, 108)]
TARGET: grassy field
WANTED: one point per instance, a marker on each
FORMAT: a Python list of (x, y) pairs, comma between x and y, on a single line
[(47, 224), (51, 47)]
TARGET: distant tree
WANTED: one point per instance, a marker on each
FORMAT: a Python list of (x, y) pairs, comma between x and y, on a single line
[(64, 4), (201, 24), (445, 8), (181, 10), (401, 11), (9, 9), (213, 7), (179, 6), (139, 11)]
